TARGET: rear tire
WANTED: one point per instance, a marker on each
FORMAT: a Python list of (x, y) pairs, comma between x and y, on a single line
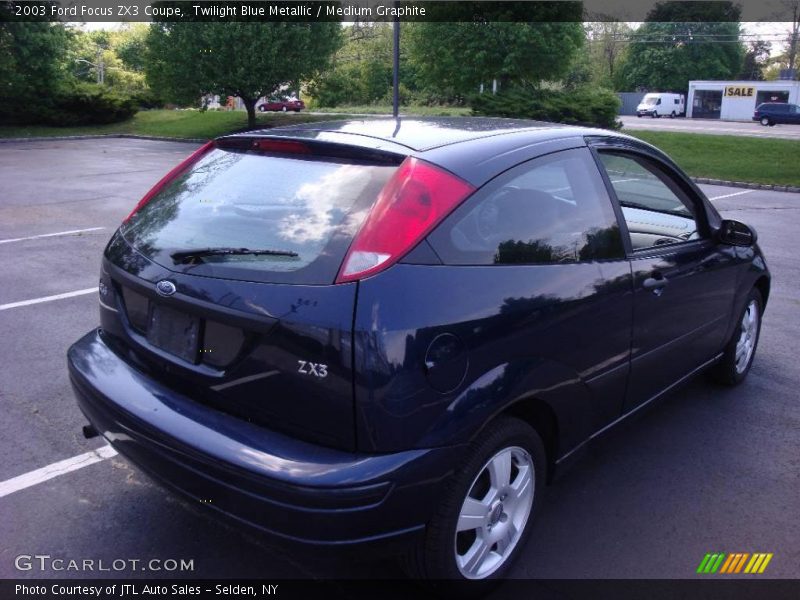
[(485, 516), (740, 350), (672, 115), (765, 121)]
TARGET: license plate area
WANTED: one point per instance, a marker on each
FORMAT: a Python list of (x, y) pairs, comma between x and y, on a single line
[(174, 332)]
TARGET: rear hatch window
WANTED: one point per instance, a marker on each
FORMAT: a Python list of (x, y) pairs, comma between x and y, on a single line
[(295, 214)]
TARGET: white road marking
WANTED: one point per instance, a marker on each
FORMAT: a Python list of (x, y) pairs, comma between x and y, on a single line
[(61, 467), (47, 299), (46, 235), (731, 195)]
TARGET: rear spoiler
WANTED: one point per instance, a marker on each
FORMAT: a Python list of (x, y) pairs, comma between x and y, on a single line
[(310, 147)]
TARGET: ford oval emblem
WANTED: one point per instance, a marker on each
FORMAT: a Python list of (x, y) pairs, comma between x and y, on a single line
[(165, 288)]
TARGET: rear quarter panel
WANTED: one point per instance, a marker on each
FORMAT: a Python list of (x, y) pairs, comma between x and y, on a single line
[(557, 333)]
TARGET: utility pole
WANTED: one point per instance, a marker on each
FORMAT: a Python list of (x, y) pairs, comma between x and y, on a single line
[(396, 67)]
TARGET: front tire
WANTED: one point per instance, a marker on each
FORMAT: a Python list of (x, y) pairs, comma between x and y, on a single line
[(484, 518), (741, 348), (284, 109)]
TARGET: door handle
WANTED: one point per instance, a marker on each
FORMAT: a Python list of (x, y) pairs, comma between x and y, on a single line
[(656, 283)]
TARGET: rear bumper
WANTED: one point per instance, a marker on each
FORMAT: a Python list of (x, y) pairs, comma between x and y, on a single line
[(299, 491)]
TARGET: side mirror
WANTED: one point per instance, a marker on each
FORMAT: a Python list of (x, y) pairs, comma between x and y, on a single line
[(736, 233)]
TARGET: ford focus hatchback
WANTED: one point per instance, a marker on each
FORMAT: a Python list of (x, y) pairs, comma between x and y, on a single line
[(394, 333)]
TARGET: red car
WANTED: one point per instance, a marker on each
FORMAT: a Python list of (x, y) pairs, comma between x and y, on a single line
[(284, 105)]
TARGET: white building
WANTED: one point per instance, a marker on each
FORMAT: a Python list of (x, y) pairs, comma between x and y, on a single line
[(737, 100)]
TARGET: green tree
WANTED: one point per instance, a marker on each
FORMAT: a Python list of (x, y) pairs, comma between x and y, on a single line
[(115, 57), (459, 57), (188, 59), (361, 70), (755, 60), (130, 44), (681, 41), (607, 43), (790, 58), (32, 60), (511, 43)]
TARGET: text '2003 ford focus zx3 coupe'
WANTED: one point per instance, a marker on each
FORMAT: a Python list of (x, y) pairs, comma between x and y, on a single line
[(394, 332)]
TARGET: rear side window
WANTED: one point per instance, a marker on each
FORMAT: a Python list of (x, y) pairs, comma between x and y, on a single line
[(553, 209), (303, 210)]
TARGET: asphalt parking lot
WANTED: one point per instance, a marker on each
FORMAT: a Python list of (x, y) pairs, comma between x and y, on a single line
[(709, 470), (711, 126)]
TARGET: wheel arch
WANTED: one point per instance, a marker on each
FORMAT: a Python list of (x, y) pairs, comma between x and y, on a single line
[(763, 285), (542, 418)]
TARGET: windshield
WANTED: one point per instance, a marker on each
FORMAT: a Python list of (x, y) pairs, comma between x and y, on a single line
[(650, 100), (304, 210)]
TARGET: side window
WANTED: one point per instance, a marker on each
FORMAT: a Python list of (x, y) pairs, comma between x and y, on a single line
[(677, 101), (554, 209), (655, 209), (659, 101)]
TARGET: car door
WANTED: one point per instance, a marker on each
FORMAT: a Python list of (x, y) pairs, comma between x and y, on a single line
[(683, 281)]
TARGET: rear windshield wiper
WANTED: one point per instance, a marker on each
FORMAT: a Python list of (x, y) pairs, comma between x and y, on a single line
[(184, 255)]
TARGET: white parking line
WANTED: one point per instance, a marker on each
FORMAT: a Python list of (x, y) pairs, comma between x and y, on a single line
[(47, 298), (32, 478), (46, 235), (731, 195)]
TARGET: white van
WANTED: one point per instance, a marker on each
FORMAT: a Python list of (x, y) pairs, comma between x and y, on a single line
[(658, 105)]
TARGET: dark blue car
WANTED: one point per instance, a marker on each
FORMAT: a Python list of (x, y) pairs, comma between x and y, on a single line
[(394, 333), (772, 113)]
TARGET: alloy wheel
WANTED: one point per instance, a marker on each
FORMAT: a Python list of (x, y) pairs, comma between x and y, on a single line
[(748, 335), (495, 512)]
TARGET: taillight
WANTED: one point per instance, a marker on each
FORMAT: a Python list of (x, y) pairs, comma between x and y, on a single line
[(411, 204), (180, 168)]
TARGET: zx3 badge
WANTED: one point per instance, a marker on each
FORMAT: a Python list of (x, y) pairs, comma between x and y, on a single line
[(310, 368)]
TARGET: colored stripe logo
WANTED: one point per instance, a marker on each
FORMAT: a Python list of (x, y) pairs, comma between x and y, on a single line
[(737, 562)]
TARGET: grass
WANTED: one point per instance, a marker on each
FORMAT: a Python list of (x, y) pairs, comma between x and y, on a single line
[(172, 123), (732, 158), (386, 109)]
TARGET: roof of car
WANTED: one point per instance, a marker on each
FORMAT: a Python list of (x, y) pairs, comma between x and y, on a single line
[(420, 133)]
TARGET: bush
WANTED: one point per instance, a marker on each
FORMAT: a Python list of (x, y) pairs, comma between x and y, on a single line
[(78, 104), (582, 106)]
